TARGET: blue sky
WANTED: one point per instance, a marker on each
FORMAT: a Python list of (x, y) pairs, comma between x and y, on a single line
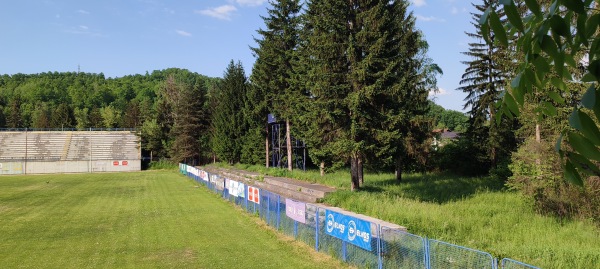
[(124, 37)]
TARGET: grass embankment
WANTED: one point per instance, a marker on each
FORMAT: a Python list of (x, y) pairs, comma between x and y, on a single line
[(154, 219), (477, 213)]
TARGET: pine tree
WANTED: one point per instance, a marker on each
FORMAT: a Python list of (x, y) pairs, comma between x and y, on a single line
[(227, 120), (362, 77), (484, 80), (185, 101), (274, 67)]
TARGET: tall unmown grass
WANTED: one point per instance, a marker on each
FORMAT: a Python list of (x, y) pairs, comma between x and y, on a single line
[(477, 212)]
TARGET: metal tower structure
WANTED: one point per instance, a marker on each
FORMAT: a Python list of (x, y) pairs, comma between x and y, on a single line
[(278, 146)]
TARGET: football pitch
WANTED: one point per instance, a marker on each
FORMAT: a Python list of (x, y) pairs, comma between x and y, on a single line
[(151, 219)]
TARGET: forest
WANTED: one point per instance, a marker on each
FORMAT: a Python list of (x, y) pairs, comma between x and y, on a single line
[(352, 82)]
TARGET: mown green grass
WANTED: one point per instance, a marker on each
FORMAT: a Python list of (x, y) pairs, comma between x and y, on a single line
[(154, 219), (477, 213)]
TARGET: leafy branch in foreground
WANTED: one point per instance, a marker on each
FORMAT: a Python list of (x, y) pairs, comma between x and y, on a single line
[(555, 39)]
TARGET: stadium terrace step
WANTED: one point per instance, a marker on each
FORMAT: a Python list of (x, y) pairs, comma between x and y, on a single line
[(290, 188)]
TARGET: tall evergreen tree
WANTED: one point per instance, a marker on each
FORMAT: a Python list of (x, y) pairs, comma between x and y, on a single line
[(362, 79), (484, 80), (186, 101), (227, 119), (274, 67)]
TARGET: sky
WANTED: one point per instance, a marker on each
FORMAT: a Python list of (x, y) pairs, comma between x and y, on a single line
[(126, 37)]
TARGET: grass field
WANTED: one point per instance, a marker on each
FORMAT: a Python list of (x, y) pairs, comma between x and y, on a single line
[(154, 219), (477, 213)]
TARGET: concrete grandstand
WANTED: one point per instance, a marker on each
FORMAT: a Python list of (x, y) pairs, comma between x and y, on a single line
[(47, 152)]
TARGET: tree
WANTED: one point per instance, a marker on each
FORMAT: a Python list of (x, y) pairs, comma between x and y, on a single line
[(81, 118), (553, 40), (14, 120), (40, 117), (274, 66), (110, 116), (227, 120), (484, 81), (186, 101), (363, 80)]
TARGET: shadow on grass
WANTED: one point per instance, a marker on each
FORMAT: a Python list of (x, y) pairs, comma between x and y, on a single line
[(435, 188)]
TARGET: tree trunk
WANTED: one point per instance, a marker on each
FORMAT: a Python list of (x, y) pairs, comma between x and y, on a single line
[(354, 171), (267, 147), (398, 169), (538, 139), (288, 138), (361, 179), (322, 168), (492, 133)]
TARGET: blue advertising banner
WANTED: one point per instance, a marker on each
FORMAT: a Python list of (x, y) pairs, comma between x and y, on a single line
[(352, 230)]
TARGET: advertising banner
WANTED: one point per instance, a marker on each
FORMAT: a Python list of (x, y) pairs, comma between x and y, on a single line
[(235, 188), (204, 175), (254, 194), (352, 230), (295, 210), (218, 181)]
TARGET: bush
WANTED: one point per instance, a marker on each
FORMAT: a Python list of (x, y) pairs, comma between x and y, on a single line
[(163, 164), (537, 173), (461, 157)]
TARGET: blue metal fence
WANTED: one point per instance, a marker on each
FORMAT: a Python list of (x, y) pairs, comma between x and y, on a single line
[(381, 246), (512, 264)]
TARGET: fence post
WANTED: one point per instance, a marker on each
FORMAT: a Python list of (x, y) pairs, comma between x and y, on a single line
[(379, 247), (267, 217), (295, 230), (427, 253), (344, 251), (278, 210), (317, 230)]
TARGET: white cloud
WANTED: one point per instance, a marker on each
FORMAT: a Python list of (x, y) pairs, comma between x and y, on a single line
[(251, 3), (419, 3), (454, 10), (440, 92), (222, 12), (430, 18), (183, 33), (83, 27), (81, 11)]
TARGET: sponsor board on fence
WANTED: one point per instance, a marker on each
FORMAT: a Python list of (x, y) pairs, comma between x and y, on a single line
[(254, 194), (204, 175), (235, 188), (295, 210), (218, 181), (349, 229)]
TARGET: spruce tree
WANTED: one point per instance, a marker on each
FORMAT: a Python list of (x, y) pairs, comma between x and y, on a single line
[(362, 77), (274, 67), (228, 126), (484, 81)]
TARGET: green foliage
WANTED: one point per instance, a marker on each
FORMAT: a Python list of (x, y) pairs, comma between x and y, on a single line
[(554, 42), (366, 84), (227, 121), (537, 173), (163, 165), (484, 81), (447, 119), (461, 157), (83, 100)]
